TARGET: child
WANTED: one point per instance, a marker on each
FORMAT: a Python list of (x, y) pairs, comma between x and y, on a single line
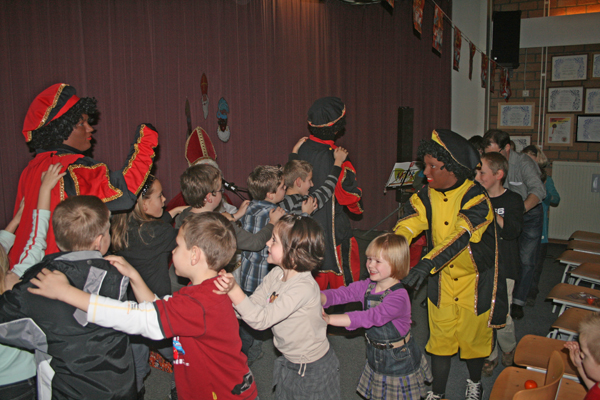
[(76, 360), (267, 189), (396, 367), (287, 301), (509, 209), (17, 367), (208, 361), (297, 175), (586, 355), (145, 237)]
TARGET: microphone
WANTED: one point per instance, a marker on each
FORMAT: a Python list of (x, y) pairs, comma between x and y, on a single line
[(233, 188)]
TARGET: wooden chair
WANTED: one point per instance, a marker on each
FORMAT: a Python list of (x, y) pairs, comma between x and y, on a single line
[(586, 236), (511, 381), (533, 352), (563, 295), (584, 247), (571, 390), (587, 272), (573, 259), (567, 323)]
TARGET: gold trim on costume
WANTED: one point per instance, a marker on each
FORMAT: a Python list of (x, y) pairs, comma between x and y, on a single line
[(454, 239), (51, 107), (495, 289), (136, 151), (72, 169), (329, 123)]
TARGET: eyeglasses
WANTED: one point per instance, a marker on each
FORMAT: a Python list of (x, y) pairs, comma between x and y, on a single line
[(222, 190), (147, 185)]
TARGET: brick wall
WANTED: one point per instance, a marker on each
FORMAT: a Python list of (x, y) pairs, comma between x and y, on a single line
[(527, 76)]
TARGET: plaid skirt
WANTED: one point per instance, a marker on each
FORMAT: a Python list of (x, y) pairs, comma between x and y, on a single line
[(373, 385)]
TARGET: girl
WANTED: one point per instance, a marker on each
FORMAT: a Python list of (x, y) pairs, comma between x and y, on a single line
[(288, 302), (395, 367), (145, 237)]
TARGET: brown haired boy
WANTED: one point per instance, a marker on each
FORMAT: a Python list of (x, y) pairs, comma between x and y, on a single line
[(207, 357), (71, 367), (298, 175)]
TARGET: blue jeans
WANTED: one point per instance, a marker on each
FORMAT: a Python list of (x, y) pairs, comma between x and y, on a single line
[(529, 249), (23, 390)]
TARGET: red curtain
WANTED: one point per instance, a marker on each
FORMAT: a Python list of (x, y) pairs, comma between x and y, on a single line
[(270, 59)]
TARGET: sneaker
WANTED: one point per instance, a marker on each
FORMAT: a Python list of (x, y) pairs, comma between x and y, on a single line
[(488, 367), (474, 390), (516, 312), (433, 396), (508, 358)]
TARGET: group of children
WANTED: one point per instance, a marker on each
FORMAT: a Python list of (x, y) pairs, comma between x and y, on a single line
[(82, 332)]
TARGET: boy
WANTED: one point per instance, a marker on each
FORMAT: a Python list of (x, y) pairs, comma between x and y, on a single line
[(208, 361), (586, 355), (297, 175), (267, 189), (76, 360), (465, 298), (509, 209)]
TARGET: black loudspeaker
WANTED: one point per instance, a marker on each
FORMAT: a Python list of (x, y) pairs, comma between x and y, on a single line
[(406, 117), (507, 37)]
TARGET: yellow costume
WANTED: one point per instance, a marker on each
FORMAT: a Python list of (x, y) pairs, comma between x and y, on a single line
[(463, 264)]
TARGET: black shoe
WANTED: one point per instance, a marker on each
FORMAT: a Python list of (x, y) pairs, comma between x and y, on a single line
[(141, 393), (516, 312)]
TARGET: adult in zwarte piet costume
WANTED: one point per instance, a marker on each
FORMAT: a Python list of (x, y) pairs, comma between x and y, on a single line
[(58, 127), (466, 296), (341, 265)]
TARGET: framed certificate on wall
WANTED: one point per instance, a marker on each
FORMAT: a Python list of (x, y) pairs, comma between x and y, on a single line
[(569, 68), (515, 115), (559, 129), (565, 99)]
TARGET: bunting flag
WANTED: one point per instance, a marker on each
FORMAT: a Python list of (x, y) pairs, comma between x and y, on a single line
[(438, 29), (484, 67), (457, 46), (492, 75), (418, 14), (504, 77), (471, 55)]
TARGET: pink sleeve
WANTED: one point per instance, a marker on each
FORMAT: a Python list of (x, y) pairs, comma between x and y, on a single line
[(346, 294), (395, 307)]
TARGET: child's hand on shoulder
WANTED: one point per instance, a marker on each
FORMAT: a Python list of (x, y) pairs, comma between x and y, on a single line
[(241, 210), (177, 210), (51, 177), (224, 282), (574, 353), (275, 215), (339, 155), (122, 265), (300, 142), (50, 284), (309, 205)]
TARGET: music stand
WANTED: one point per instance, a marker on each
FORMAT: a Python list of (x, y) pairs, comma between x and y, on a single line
[(402, 175)]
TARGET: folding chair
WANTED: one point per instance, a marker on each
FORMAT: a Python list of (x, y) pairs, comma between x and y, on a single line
[(567, 323), (586, 236), (533, 352), (584, 247), (568, 296), (587, 272), (511, 382)]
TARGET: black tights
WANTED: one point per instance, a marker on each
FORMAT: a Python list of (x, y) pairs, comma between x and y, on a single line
[(440, 368)]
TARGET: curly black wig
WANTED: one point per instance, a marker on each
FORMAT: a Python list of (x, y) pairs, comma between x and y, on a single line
[(429, 147), (328, 132), (59, 130)]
